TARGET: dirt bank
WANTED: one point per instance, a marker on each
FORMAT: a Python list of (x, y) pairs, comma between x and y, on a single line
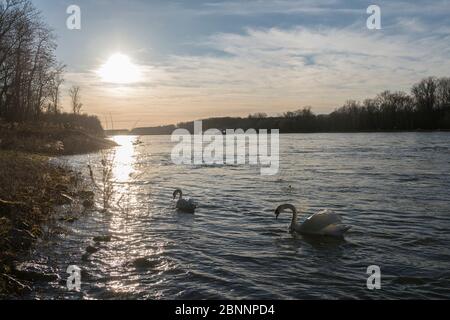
[(31, 188)]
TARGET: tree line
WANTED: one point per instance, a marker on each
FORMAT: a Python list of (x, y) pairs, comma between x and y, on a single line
[(31, 77), (425, 107)]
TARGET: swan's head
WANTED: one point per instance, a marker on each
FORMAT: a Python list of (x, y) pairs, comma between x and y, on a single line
[(277, 213), (177, 192), (283, 208)]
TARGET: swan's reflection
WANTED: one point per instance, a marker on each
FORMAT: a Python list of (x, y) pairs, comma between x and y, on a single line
[(296, 242), (319, 242)]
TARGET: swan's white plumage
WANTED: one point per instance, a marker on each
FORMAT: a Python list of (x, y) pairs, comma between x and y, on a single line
[(320, 221), (323, 223)]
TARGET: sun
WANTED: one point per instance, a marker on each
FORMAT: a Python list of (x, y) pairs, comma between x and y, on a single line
[(119, 69)]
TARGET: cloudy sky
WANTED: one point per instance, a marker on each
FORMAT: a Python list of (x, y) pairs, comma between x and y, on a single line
[(199, 59)]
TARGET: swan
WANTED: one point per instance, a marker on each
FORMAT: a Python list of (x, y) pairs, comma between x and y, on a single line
[(186, 204), (323, 223)]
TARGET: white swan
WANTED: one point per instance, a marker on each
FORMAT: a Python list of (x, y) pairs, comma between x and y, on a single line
[(184, 204), (324, 223)]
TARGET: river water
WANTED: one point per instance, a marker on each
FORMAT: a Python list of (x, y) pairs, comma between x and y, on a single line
[(393, 188)]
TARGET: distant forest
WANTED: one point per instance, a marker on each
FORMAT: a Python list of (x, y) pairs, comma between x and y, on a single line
[(426, 107)]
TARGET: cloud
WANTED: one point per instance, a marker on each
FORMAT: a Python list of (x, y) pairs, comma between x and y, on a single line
[(415, 25), (420, 7), (259, 7), (319, 67)]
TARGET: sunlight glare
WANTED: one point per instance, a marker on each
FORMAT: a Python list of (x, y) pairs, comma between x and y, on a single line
[(119, 69), (124, 159)]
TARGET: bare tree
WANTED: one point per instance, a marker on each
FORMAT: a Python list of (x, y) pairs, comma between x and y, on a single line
[(75, 97), (425, 95), (30, 76), (55, 89), (443, 93)]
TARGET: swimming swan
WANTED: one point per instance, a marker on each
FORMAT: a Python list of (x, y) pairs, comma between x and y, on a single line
[(324, 223), (186, 205)]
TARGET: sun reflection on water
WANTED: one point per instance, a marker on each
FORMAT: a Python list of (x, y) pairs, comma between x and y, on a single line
[(124, 159)]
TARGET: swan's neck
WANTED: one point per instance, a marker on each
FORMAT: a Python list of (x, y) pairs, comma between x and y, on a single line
[(294, 215), (294, 219)]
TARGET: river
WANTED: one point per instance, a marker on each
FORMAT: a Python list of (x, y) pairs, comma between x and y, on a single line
[(392, 188)]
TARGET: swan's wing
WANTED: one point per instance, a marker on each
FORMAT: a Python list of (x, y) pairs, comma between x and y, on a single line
[(186, 204), (320, 221), (191, 203), (335, 230)]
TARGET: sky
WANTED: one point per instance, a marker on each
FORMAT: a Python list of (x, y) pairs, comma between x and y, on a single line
[(199, 59)]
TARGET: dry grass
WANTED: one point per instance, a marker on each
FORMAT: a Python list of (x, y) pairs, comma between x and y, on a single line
[(105, 185), (30, 188), (49, 139)]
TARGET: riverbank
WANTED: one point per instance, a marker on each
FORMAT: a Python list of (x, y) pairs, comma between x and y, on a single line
[(31, 188), (50, 139)]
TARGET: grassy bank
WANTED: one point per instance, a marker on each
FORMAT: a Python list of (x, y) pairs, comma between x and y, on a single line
[(31, 188), (50, 139)]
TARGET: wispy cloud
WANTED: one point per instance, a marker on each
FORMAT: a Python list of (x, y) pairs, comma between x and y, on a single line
[(321, 67), (258, 7), (420, 7)]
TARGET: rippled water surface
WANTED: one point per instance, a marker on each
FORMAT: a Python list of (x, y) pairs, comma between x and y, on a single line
[(392, 188)]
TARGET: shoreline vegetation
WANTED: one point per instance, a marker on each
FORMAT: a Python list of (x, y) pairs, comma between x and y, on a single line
[(32, 188), (51, 138)]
